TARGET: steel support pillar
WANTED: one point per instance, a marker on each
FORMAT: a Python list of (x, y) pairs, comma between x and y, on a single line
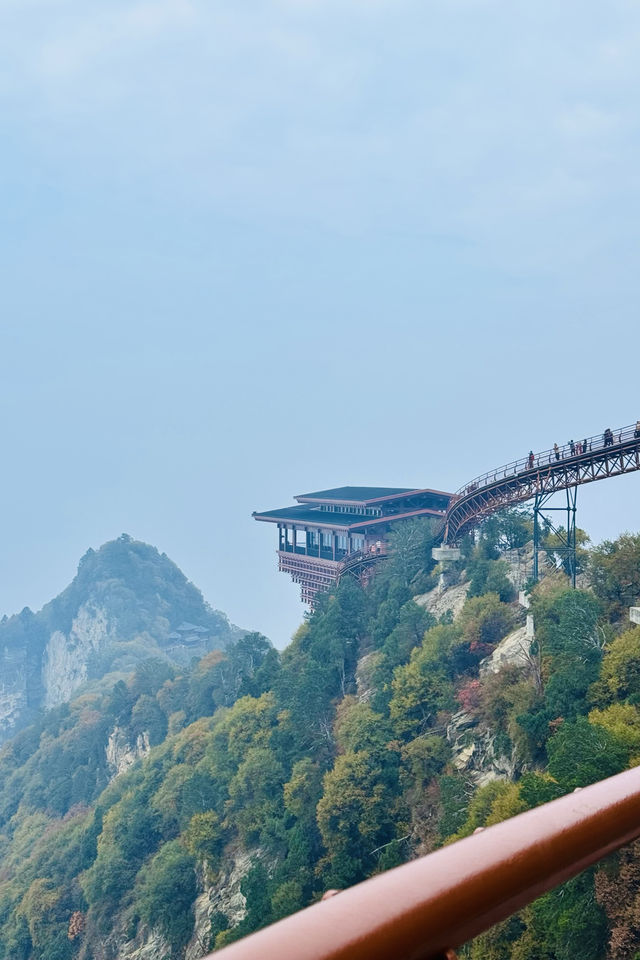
[(566, 536)]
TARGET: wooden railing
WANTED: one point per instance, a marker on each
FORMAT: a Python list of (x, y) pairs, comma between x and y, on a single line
[(423, 909)]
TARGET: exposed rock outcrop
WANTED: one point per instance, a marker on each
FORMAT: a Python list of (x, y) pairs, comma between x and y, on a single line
[(224, 896), (66, 656), (146, 945), (364, 682), (475, 751), (511, 651), (121, 754), (440, 602), (13, 703)]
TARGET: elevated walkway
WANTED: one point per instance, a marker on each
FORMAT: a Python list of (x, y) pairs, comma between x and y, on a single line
[(560, 468)]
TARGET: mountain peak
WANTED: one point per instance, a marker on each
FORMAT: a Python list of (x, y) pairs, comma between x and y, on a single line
[(126, 603)]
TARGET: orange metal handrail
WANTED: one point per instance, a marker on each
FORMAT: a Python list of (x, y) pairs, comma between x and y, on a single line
[(419, 910)]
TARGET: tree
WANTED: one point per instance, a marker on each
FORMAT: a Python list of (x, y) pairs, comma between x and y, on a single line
[(566, 624), (303, 790), (288, 898), (147, 717), (420, 691), (165, 891), (615, 573), (491, 803), (204, 836), (567, 633), (150, 675), (358, 727), (421, 760), (617, 888), (410, 545), (564, 924), (454, 803), (255, 792), (484, 621), (623, 721), (43, 908), (489, 576), (620, 672), (538, 788), (581, 753), (355, 815)]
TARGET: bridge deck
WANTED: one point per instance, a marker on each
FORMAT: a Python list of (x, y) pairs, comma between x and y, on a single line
[(594, 458)]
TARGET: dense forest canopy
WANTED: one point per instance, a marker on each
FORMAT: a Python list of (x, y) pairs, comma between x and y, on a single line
[(341, 756)]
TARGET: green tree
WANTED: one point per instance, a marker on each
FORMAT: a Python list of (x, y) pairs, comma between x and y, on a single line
[(564, 924), (355, 815), (420, 691), (165, 891), (620, 672), (147, 717), (623, 721), (615, 573), (581, 753), (255, 792), (410, 548), (204, 837)]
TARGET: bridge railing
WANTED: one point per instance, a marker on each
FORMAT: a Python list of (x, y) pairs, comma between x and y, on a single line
[(428, 906), (546, 457)]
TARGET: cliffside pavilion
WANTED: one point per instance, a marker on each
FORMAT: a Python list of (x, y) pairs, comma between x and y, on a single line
[(332, 529)]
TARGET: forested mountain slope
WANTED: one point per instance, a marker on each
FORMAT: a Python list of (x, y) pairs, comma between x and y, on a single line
[(381, 732), (127, 602)]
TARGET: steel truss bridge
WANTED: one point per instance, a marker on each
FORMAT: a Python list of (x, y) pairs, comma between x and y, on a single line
[(539, 475), (423, 909), (536, 477)]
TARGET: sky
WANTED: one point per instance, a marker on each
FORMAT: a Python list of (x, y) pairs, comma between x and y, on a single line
[(255, 249)]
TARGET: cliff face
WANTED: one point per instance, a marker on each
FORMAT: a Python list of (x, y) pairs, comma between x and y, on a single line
[(127, 603), (67, 656), (22, 643)]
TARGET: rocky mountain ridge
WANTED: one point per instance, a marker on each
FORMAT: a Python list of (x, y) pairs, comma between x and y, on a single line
[(127, 602), (172, 812)]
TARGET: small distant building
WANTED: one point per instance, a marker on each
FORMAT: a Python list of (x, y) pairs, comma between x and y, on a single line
[(331, 529), (188, 640)]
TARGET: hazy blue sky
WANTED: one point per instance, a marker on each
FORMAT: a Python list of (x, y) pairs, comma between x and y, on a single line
[(255, 249)]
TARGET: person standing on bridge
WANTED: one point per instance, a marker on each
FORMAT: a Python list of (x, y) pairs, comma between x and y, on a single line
[(572, 447), (636, 432), (585, 448), (608, 437), (531, 459), (556, 450)]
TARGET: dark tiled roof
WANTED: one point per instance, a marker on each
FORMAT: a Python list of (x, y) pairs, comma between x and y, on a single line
[(356, 494), (305, 514), (333, 520)]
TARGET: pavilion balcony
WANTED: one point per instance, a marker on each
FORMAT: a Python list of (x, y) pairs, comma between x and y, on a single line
[(314, 574), (314, 552)]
